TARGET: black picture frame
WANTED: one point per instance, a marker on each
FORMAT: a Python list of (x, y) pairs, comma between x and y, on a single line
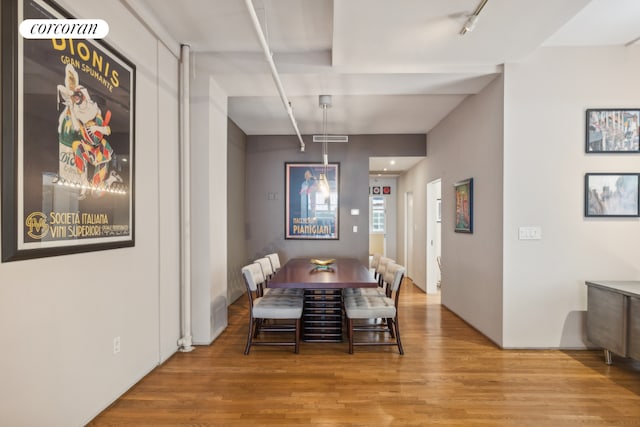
[(310, 213), (464, 206), (67, 174), (611, 194), (612, 130)]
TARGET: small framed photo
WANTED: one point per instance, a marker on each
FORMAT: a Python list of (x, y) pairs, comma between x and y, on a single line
[(464, 206), (612, 130), (611, 194)]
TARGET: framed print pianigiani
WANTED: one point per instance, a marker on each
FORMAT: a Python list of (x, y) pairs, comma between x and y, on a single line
[(67, 140), (311, 201)]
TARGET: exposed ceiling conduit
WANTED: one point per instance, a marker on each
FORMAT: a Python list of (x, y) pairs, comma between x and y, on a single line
[(185, 202), (274, 72)]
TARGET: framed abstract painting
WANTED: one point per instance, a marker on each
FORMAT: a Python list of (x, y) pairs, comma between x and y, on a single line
[(464, 206)]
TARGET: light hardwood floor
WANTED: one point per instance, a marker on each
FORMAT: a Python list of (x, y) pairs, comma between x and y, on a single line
[(450, 375)]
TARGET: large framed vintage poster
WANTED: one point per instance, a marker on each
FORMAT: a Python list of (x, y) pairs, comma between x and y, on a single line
[(67, 141), (311, 201)]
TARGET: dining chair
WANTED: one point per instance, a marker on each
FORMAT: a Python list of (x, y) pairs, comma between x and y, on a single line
[(363, 307), (270, 306), (267, 268), (268, 272), (382, 266), (381, 290), (275, 261), (375, 259)]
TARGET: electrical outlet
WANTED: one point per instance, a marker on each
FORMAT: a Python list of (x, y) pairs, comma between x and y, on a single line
[(116, 345), (530, 233)]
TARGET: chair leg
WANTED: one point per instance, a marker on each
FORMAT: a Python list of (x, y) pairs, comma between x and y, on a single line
[(390, 326), (258, 325), (250, 336), (350, 333), (298, 324), (397, 328)]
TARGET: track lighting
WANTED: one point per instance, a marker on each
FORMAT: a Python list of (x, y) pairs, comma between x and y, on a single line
[(472, 19)]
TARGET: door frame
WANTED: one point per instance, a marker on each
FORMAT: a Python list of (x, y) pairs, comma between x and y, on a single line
[(434, 235)]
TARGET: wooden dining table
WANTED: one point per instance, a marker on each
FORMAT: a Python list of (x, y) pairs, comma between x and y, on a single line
[(322, 285)]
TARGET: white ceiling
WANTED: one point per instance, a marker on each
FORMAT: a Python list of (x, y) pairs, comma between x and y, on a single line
[(392, 66)]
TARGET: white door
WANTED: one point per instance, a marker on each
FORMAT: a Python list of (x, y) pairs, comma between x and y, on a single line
[(408, 231), (434, 217)]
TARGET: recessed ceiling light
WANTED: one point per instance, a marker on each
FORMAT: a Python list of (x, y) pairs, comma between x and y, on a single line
[(393, 162), (385, 169)]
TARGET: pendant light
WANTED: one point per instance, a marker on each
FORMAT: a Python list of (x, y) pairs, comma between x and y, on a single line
[(325, 102)]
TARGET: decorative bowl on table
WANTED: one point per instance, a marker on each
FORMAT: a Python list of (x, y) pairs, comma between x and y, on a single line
[(322, 264)]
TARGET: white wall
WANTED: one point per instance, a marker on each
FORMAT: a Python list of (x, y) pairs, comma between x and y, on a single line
[(208, 109), (169, 201), (59, 315), (545, 162)]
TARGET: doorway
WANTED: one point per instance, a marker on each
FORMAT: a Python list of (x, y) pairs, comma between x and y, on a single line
[(434, 236), (408, 231), (383, 216), (377, 225)]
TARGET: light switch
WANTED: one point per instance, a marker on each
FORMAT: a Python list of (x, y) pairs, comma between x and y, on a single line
[(530, 233), (355, 228)]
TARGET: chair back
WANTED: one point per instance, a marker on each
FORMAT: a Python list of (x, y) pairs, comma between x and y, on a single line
[(382, 267), (375, 260), (265, 264), (393, 278), (275, 261), (253, 277)]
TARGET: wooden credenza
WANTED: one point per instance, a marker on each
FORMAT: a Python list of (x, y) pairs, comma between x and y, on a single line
[(613, 317)]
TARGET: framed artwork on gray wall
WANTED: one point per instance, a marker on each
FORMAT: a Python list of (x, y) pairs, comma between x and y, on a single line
[(464, 206), (611, 194), (311, 201), (613, 130), (68, 115)]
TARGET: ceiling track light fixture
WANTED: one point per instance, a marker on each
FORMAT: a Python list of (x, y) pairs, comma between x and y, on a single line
[(472, 19)]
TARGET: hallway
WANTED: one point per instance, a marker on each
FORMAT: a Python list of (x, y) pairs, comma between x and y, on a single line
[(450, 375)]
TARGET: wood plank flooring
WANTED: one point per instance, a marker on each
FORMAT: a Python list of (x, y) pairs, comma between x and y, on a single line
[(450, 375)]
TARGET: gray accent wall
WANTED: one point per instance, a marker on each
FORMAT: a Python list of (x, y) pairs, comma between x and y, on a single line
[(468, 143), (236, 210), (265, 218)]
